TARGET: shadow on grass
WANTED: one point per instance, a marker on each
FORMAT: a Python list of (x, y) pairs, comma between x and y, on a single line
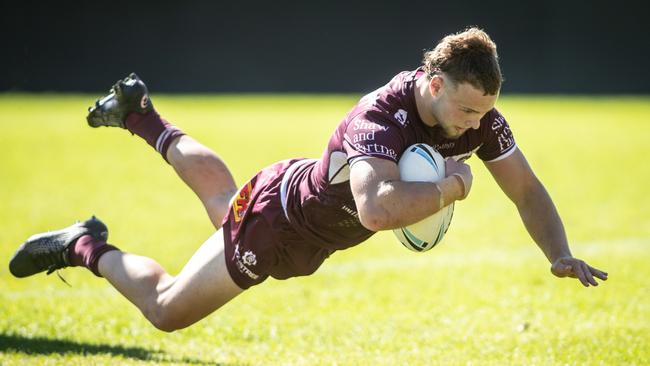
[(46, 346)]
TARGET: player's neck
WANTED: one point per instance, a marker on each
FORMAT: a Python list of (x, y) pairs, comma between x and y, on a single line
[(424, 101)]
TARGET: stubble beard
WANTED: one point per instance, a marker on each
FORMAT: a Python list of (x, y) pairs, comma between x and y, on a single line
[(450, 132)]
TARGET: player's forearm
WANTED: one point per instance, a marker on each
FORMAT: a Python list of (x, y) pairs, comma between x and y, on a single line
[(543, 223), (397, 203)]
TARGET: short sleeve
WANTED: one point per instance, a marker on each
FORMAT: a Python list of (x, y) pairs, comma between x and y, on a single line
[(498, 141), (372, 137)]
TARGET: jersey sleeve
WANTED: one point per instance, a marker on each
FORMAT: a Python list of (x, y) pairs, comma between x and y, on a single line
[(498, 141), (366, 136)]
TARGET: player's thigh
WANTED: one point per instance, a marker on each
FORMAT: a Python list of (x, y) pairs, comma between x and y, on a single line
[(203, 286)]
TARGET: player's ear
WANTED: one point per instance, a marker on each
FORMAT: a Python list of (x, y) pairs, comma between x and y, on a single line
[(435, 85)]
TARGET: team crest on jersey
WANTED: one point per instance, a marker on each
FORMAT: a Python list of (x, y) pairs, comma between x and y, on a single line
[(402, 117), (241, 201)]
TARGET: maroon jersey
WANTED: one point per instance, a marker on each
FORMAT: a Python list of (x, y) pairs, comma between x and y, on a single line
[(317, 198), (293, 214)]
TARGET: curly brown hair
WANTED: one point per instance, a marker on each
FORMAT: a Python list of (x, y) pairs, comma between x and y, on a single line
[(469, 56)]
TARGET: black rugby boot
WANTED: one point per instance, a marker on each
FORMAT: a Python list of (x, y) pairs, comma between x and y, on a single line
[(49, 251), (126, 96)]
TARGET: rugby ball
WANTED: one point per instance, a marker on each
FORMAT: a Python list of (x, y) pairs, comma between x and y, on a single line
[(422, 163)]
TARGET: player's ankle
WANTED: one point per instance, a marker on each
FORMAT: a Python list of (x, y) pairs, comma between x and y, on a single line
[(86, 251), (156, 131), (135, 118)]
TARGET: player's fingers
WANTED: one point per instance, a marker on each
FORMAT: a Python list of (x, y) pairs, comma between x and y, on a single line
[(598, 273), (580, 273), (588, 275)]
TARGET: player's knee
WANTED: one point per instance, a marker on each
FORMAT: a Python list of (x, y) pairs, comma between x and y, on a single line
[(168, 327), (165, 319), (161, 311)]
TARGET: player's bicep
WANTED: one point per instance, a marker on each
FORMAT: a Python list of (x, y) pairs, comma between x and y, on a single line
[(366, 178)]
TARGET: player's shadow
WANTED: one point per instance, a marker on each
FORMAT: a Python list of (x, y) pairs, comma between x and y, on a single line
[(46, 346)]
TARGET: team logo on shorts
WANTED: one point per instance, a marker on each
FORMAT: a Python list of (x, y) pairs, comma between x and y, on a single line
[(240, 203), (249, 258)]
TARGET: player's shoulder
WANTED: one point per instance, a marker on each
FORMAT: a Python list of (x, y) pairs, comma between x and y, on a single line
[(495, 135), (402, 82), (492, 115), (493, 121), (390, 104)]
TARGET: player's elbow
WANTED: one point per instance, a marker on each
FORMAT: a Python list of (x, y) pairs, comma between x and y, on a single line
[(376, 212), (373, 222), (374, 218)]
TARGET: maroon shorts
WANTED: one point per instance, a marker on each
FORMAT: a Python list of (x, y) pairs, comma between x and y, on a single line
[(259, 239)]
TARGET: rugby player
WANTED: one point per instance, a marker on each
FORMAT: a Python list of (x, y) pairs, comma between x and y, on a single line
[(292, 215)]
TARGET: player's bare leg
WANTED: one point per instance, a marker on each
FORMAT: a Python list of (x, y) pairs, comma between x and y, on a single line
[(205, 173), (169, 302), (204, 284)]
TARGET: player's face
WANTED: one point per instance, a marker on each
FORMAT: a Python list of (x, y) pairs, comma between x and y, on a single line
[(459, 107)]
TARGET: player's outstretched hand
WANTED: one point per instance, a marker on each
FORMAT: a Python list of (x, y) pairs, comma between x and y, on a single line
[(576, 268)]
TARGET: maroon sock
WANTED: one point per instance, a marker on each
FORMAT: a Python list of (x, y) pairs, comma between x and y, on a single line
[(87, 251), (156, 131)]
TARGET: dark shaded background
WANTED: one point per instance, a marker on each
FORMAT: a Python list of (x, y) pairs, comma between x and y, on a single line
[(316, 46)]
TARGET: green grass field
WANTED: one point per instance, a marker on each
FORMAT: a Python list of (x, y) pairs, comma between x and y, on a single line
[(485, 296)]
